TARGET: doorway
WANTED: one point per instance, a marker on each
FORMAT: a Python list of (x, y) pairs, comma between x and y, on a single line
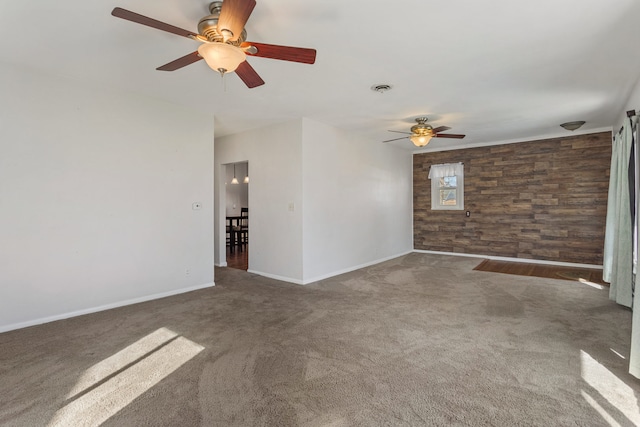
[(237, 215)]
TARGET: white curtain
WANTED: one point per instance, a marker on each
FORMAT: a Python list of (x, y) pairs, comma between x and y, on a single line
[(446, 169), (634, 358), (618, 243)]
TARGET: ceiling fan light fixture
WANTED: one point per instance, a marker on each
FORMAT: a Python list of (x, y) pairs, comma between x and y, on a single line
[(420, 140), (422, 133), (221, 57)]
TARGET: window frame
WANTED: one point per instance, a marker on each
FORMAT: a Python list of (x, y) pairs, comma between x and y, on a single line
[(459, 191)]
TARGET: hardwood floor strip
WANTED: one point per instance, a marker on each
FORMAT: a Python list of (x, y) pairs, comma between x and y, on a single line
[(238, 259), (593, 275)]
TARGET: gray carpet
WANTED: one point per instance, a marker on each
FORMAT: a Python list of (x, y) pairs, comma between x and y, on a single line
[(418, 340)]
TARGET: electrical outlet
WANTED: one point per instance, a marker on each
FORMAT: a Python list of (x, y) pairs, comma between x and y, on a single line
[(187, 271), (292, 207), (196, 206)]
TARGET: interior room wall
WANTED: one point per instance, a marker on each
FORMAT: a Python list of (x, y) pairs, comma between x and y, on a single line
[(237, 195), (543, 200), (274, 156), (96, 193), (357, 201), (322, 201)]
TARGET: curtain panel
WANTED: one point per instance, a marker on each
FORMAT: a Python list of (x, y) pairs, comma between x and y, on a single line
[(634, 356), (618, 242), (446, 169)]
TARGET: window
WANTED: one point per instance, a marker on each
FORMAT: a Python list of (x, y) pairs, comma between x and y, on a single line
[(447, 186)]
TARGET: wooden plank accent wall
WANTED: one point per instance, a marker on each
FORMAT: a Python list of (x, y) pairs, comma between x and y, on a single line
[(544, 200)]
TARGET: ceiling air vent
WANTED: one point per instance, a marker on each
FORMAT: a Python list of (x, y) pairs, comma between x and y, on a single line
[(382, 88)]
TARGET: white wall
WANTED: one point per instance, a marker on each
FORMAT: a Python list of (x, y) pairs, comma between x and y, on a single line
[(274, 154), (96, 193), (352, 200), (357, 200)]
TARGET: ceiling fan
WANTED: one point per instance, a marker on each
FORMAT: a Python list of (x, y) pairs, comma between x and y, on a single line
[(422, 133), (224, 47)]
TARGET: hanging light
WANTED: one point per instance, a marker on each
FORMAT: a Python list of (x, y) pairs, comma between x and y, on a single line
[(222, 57), (246, 177), (234, 180)]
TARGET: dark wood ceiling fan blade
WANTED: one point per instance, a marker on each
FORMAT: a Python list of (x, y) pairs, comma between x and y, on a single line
[(396, 139), (118, 12), (233, 17), (440, 129), (248, 75), (181, 62), (449, 135), (284, 53)]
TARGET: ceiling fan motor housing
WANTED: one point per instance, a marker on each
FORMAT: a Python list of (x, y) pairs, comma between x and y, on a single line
[(208, 26), (422, 128)]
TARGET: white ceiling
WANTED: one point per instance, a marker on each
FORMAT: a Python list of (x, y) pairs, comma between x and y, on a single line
[(497, 71)]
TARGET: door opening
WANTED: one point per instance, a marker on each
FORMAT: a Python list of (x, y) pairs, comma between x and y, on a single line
[(237, 215)]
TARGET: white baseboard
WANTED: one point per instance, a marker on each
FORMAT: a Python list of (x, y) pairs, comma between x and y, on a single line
[(20, 325), (356, 267), (11, 327), (276, 277), (222, 264), (523, 260), (328, 275)]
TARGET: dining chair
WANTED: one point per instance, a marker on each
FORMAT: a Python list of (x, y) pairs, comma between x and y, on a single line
[(230, 234), (243, 227)]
